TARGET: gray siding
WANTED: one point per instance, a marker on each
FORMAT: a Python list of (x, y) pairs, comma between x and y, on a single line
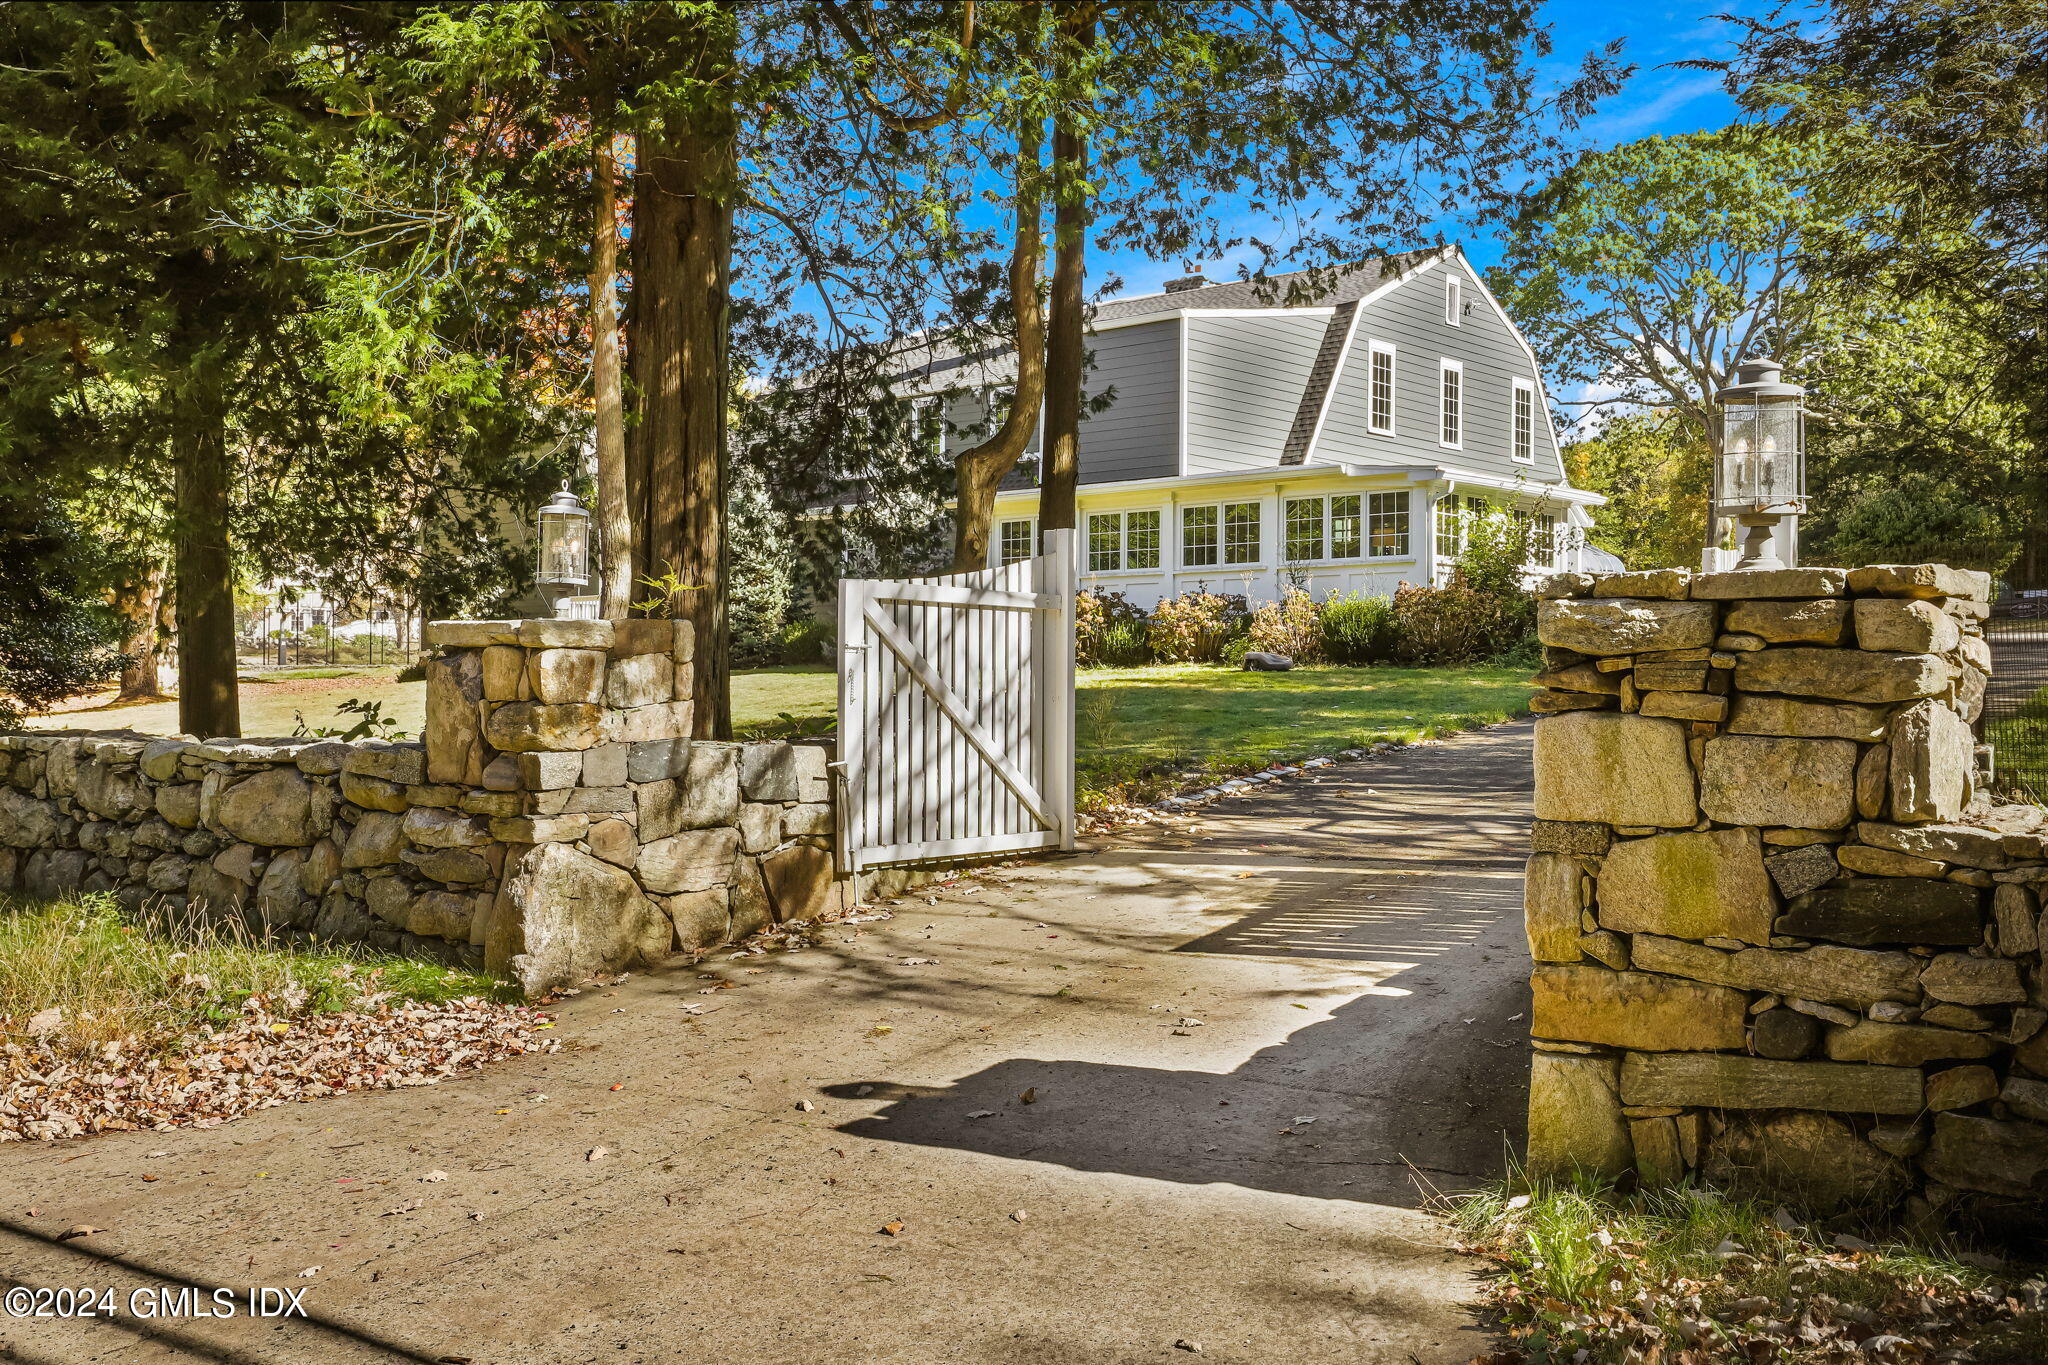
[(1245, 381), (1138, 435), (1411, 318)]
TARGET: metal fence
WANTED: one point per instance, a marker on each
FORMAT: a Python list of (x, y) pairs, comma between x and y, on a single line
[(2015, 718)]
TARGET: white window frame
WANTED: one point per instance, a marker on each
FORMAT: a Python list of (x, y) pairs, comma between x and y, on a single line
[(1373, 351), (1223, 559), (1122, 516), (1521, 433), (1406, 512), (998, 548), (1454, 300), (1450, 412)]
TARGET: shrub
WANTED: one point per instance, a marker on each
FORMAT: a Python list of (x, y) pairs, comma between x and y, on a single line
[(1110, 631), (1194, 627), (1234, 652), (1359, 630), (809, 641), (1291, 626), (1451, 625)]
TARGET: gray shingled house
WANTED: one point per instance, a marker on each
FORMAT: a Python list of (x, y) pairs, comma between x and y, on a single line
[(1258, 435)]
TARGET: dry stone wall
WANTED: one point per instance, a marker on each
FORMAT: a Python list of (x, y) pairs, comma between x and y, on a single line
[(1780, 938), (556, 821)]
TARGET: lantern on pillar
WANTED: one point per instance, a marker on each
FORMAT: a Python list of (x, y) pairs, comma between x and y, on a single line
[(564, 542), (1760, 481)]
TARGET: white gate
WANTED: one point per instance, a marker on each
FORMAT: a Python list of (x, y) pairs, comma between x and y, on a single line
[(956, 712)]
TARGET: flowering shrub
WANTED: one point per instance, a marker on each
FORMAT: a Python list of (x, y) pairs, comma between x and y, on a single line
[(1194, 627), (1291, 626), (1109, 631)]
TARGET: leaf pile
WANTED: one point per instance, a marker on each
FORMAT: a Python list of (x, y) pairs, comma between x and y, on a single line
[(275, 1051), (1773, 1296)]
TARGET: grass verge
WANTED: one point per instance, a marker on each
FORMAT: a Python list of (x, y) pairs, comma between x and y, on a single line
[(114, 1022), (1141, 728), (1582, 1274), (152, 981)]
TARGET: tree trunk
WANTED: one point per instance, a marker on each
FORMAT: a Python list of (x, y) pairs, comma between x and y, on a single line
[(208, 705), (682, 249), (1066, 344), (137, 598), (978, 471), (614, 516)]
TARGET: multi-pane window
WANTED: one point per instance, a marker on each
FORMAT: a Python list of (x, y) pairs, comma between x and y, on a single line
[(995, 404), (1386, 523), (1454, 515), (1525, 421), (1198, 536), (1240, 533), (1452, 435), (1232, 529), (1380, 417), (1141, 540), (1544, 544), (1017, 540), (1304, 528), (1346, 526), (1454, 301), (1122, 540)]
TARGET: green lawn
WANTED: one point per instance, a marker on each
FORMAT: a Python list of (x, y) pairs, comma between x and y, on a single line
[(2019, 749), (1137, 725)]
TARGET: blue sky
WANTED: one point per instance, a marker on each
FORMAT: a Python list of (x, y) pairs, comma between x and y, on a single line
[(1657, 99)]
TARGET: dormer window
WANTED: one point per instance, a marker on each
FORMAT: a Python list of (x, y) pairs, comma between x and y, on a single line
[(1454, 301)]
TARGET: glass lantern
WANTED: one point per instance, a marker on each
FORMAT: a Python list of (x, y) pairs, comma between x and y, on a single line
[(564, 542), (1760, 480)]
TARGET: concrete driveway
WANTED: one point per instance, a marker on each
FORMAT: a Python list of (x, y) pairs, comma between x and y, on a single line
[(1177, 1092)]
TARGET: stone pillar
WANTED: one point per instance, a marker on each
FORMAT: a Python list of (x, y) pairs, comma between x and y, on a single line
[(1778, 936), (626, 840)]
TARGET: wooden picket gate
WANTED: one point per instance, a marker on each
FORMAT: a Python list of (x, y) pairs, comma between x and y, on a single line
[(956, 712)]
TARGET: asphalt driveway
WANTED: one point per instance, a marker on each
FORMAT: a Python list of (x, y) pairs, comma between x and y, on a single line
[(1186, 1090)]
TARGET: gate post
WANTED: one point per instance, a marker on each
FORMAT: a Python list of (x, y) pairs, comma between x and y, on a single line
[(1780, 937)]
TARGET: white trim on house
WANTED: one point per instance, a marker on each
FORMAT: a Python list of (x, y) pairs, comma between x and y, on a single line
[(1320, 310), (1517, 386), (1374, 349), (1450, 428), (1182, 397)]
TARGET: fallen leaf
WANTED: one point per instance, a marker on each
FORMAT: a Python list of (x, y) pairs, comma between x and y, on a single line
[(45, 1021), (805, 1107), (1019, 1216), (407, 1207), (81, 1230), (892, 1228), (151, 1179), (1030, 1095), (982, 1114), (433, 1177), (597, 1154), (865, 1090), (620, 1086), (880, 1029), (309, 1272)]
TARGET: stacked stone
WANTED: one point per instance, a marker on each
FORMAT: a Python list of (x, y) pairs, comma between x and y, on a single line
[(557, 822), (624, 839), (301, 837), (1780, 937)]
